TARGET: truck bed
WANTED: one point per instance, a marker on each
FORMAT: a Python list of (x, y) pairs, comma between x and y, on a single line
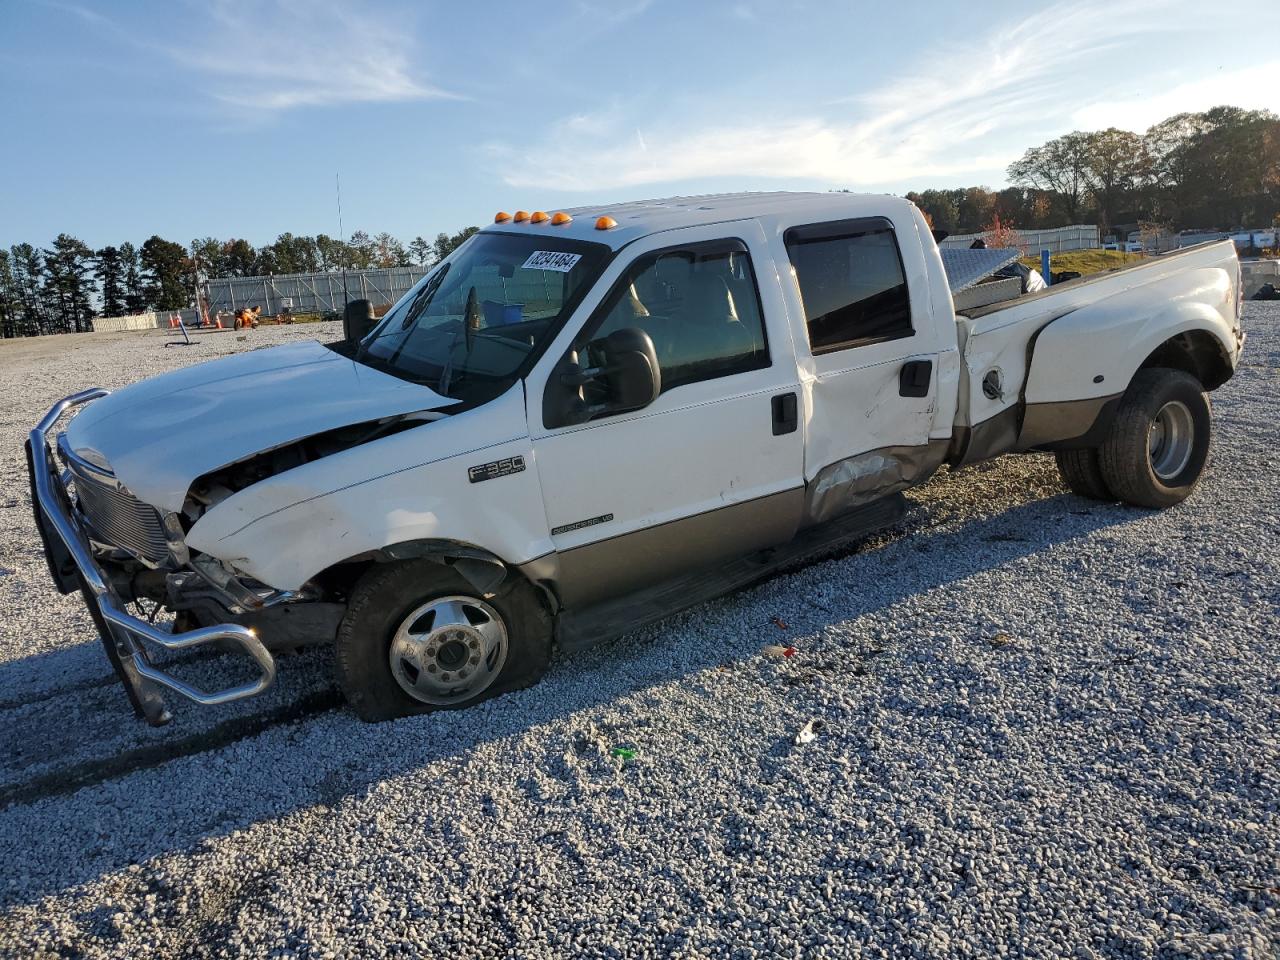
[(1110, 309), (1122, 275)]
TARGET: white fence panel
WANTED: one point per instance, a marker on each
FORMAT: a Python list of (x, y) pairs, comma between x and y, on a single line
[(312, 292), (1056, 240)]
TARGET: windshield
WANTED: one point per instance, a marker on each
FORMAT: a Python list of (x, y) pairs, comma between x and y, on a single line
[(475, 324)]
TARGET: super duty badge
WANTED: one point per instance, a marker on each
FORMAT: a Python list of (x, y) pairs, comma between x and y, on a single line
[(499, 468)]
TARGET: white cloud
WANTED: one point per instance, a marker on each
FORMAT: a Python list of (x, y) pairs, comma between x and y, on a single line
[(1252, 88), (271, 55), (291, 53), (963, 110)]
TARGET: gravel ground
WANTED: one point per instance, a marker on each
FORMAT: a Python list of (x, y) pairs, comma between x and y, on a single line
[(1048, 728)]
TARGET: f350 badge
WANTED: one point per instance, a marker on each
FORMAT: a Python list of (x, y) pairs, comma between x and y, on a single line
[(499, 468)]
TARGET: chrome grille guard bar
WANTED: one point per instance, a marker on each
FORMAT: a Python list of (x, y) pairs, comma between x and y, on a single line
[(130, 660)]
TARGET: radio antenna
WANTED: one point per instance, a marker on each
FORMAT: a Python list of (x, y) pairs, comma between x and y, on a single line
[(342, 239)]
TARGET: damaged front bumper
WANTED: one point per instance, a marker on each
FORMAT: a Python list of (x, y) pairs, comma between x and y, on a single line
[(127, 638)]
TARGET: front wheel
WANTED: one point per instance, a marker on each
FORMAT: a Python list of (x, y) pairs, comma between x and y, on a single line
[(1158, 445), (418, 637)]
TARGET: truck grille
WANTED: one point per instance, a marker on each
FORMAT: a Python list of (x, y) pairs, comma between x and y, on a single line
[(118, 518)]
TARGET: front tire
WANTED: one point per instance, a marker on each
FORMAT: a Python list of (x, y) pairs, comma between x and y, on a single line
[(1156, 449), (418, 637)]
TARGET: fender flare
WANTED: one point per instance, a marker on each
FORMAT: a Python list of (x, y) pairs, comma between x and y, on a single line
[(483, 569), (1181, 320)]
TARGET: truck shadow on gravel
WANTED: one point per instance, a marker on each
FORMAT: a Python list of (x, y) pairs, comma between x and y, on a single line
[(208, 777)]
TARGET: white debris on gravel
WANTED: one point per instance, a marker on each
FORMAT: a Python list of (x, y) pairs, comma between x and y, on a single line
[(1048, 729)]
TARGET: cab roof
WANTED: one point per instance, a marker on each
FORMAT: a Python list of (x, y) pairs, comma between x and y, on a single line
[(640, 218)]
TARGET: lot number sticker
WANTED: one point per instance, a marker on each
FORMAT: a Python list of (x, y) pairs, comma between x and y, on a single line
[(552, 260)]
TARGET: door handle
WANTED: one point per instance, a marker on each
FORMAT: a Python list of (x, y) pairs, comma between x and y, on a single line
[(785, 415), (914, 378)]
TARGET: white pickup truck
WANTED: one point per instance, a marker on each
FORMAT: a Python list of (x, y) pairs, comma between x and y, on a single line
[(579, 423)]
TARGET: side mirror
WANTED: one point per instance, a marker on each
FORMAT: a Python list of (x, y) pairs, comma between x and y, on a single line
[(357, 321), (628, 378)]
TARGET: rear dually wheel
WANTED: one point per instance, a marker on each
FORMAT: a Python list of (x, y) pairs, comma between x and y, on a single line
[(1157, 447)]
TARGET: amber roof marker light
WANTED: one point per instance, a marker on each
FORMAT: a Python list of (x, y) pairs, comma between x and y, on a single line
[(560, 219), (538, 216), (606, 223), (501, 217), (521, 216)]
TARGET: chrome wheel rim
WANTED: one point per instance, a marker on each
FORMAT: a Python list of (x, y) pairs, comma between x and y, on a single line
[(448, 650), (1170, 440)]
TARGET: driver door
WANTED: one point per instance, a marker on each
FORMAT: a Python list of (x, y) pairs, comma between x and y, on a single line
[(713, 468)]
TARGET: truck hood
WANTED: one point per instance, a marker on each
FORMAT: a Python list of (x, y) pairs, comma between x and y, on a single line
[(158, 435)]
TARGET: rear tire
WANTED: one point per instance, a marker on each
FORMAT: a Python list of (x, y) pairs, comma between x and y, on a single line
[(1082, 473), (1157, 447), (418, 637)]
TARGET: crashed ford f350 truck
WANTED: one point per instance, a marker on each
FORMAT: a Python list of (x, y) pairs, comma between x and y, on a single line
[(578, 423)]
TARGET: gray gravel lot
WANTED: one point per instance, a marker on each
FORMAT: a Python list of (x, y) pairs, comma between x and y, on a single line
[(1049, 730)]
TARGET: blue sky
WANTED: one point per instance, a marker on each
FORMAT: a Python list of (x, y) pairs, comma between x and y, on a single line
[(230, 118)]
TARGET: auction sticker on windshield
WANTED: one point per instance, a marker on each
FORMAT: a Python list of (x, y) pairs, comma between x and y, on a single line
[(552, 260)]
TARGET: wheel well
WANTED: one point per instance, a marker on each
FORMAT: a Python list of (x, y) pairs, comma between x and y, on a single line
[(483, 569), (1195, 352)]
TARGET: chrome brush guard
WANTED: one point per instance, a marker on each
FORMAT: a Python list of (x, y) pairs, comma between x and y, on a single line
[(126, 637)]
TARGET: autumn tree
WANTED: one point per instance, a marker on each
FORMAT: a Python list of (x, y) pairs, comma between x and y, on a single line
[(388, 251), (1222, 167), (941, 206), (1116, 165), (1059, 167), (1000, 235)]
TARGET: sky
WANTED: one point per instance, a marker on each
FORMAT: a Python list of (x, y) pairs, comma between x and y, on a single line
[(231, 118)]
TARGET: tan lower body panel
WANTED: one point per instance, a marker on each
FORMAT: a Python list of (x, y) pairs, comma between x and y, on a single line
[(607, 568), (1050, 422)]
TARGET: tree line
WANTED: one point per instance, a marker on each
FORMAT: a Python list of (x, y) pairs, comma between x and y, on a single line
[(1216, 170), (62, 287)]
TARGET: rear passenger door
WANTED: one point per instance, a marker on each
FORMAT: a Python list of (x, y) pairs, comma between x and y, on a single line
[(712, 468), (872, 364)]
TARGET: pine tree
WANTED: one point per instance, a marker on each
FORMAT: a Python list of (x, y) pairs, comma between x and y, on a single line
[(28, 267), (165, 268), (111, 281), (135, 297), (8, 297), (68, 266), (420, 251)]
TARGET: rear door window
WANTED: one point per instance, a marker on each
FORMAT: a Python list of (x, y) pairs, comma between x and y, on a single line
[(851, 282)]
